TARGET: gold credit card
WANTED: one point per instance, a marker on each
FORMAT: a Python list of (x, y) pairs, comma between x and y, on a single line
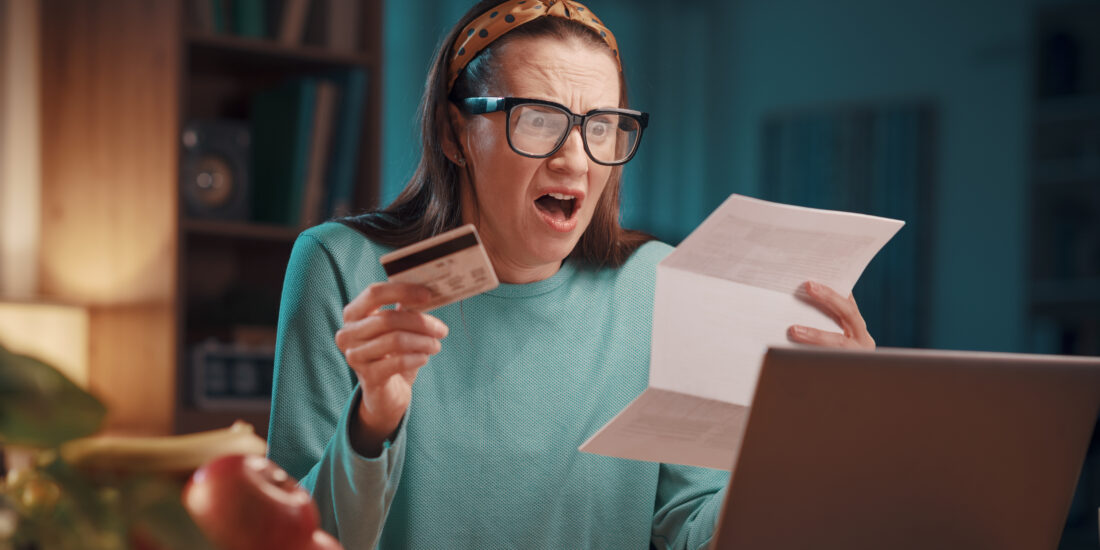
[(454, 265)]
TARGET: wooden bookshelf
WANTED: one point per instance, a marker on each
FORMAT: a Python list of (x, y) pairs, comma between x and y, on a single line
[(121, 79), (254, 51), (231, 270), (240, 230)]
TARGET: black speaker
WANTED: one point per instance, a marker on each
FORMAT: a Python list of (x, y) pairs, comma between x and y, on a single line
[(214, 179)]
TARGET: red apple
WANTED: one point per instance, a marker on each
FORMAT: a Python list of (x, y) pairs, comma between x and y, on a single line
[(249, 503), (324, 541)]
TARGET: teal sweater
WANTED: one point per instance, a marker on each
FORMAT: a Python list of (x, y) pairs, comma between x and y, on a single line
[(486, 456)]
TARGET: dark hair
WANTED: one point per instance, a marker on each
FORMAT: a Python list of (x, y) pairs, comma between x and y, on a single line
[(431, 202)]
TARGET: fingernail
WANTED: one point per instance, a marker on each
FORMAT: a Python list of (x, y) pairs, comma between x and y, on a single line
[(799, 330), (811, 286)]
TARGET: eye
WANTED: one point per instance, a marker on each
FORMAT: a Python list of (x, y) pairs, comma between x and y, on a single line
[(599, 129), (538, 121)]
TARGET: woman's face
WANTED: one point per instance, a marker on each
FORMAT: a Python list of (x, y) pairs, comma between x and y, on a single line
[(526, 232)]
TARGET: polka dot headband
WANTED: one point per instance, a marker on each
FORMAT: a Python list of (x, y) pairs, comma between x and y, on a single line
[(496, 22)]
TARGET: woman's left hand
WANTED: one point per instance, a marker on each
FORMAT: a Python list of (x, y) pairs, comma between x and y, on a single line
[(846, 314)]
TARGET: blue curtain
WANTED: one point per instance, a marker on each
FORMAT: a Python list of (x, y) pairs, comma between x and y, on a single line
[(875, 160)]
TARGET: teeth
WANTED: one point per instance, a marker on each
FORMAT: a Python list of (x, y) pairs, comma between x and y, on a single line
[(562, 197)]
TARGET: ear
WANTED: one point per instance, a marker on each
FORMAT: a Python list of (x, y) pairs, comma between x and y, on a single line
[(452, 140)]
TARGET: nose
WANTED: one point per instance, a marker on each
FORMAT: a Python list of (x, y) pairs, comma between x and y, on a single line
[(571, 159)]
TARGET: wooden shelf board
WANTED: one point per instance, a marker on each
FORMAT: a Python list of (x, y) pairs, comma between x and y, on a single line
[(254, 50), (241, 230)]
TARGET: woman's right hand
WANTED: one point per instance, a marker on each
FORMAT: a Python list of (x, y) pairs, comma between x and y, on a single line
[(386, 348)]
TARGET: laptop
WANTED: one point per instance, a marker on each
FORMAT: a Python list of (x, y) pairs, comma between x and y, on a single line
[(908, 449)]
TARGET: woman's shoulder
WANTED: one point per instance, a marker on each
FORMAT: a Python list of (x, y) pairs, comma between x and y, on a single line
[(344, 249), (640, 269), (650, 254), (341, 240), (645, 258)]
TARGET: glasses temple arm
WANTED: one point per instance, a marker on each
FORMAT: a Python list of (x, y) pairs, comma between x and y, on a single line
[(482, 105)]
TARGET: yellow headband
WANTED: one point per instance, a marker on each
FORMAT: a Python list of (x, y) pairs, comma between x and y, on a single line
[(494, 23)]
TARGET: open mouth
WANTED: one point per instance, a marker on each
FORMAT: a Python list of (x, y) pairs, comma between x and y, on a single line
[(557, 205)]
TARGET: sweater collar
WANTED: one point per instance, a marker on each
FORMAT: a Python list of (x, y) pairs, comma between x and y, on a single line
[(526, 290)]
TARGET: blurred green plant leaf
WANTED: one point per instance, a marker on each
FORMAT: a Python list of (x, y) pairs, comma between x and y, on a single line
[(107, 513), (40, 407)]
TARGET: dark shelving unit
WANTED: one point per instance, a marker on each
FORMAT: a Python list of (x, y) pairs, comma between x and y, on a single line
[(231, 270), (1064, 274)]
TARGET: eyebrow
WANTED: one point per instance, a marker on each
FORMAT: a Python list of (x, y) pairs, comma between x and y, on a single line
[(613, 105)]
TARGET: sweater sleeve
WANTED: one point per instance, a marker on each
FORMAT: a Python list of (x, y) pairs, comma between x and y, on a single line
[(313, 394), (689, 500), (354, 492)]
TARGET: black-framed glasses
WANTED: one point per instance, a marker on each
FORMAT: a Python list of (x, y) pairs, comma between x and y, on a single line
[(538, 128)]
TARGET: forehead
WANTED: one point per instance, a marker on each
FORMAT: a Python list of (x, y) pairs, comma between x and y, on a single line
[(571, 72)]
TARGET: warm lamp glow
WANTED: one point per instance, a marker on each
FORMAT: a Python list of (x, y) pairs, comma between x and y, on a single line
[(20, 170), (56, 334), (134, 271)]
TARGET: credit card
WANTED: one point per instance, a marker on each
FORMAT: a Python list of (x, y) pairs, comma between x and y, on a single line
[(454, 265)]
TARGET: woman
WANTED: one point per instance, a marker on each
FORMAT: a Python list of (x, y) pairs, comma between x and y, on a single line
[(525, 128)]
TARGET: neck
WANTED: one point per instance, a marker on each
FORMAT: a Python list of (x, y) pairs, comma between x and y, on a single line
[(508, 270), (516, 273)]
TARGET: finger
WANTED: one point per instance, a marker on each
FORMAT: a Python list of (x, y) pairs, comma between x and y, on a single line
[(381, 322), (813, 336), (861, 334), (842, 310), (816, 337), (826, 339), (376, 373), (377, 295), (392, 343)]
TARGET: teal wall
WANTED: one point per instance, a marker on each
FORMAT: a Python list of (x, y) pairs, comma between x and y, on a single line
[(413, 30), (710, 71), (971, 60)]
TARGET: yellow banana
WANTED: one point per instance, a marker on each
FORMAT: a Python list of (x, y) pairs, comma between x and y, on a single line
[(176, 454)]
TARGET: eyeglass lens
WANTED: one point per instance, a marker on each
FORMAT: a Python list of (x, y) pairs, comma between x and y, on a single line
[(537, 130)]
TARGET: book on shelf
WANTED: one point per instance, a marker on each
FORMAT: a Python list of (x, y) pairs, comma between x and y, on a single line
[(293, 22), (202, 14), (324, 115), (282, 124), (343, 25), (306, 137), (249, 18), (341, 174), (219, 16)]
